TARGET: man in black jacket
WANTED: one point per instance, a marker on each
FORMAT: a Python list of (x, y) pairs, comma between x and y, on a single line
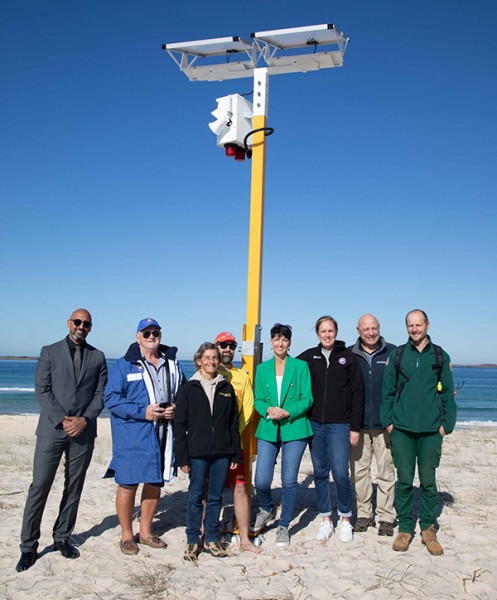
[(372, 353)]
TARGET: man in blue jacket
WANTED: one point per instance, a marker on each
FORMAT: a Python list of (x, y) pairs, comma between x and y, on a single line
[(141, 399), (372, 353)]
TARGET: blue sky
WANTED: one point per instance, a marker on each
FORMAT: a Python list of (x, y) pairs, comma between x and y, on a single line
[(381, 178)]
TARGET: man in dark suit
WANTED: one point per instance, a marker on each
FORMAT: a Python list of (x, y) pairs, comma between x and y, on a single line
[(69, 386)]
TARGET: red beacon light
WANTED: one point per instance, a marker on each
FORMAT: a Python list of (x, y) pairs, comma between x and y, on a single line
[(233, 150), (240, 154), (230, 149)]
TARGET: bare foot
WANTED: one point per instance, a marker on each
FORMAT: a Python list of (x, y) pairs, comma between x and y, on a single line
[(249, 547)]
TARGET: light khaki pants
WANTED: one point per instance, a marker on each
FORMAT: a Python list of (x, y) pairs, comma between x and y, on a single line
[(373, 442)]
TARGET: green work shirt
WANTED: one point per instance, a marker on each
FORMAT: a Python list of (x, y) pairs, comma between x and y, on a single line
[(420, 408)]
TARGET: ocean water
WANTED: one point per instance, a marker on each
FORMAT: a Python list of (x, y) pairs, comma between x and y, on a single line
[(17, 392), (476, 397)]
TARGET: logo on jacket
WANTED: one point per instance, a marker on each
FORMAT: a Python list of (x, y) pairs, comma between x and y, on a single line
[(342, 360)]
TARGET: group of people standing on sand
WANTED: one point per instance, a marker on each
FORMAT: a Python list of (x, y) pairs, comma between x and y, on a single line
[(347, 404)]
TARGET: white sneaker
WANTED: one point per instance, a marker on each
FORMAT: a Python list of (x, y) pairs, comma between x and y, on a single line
[(325, 531), (345, 532)]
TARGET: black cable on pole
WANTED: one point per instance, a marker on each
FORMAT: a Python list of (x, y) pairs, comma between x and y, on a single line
[(267, 131)]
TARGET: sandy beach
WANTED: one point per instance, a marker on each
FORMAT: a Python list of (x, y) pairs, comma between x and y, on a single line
[(367, 568)]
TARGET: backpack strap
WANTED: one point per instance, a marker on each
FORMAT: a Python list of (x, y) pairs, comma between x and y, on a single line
[(439, 363), (399, 370), (438, 366)]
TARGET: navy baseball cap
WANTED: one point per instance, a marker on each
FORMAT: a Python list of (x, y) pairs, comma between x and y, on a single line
[(144, 323)]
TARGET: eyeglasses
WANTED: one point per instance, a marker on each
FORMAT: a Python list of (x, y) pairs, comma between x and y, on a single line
[(79, 322), (147, 334), (230, 345)]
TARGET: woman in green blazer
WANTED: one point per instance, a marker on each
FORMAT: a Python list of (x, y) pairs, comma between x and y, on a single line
[(283, 396)]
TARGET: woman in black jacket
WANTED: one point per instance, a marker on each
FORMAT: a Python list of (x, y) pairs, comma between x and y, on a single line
[(207, 444), (336, 419)]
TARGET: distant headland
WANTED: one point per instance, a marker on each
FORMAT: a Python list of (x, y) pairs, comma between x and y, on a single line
[(483, 366), (18, 358)]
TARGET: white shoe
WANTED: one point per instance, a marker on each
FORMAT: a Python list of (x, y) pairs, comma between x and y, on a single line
[(325, 531), (345, 532)]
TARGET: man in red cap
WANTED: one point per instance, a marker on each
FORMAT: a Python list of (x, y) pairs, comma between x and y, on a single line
[(226, 344)]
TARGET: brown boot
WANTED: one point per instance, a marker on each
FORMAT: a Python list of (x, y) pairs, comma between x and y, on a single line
[(429, 539), (401, 542)]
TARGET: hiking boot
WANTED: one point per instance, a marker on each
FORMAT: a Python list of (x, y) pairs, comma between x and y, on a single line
[(385, 528), (345, 532), (216, 549), (262, 519), (429, 539), (282, 537), (402, 541), (362, 524), (325, 531), (191, 552)]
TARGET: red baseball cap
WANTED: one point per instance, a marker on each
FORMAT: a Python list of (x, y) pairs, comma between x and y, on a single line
[(225, 336)]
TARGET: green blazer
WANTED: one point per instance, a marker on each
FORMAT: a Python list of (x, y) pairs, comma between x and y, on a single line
[(296, 398)]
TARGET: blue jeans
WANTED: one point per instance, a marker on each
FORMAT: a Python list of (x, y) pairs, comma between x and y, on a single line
[(216, 468), (291, 455), (330, 448)]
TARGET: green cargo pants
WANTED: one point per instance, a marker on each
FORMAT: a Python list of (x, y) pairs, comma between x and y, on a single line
[(407, 449)]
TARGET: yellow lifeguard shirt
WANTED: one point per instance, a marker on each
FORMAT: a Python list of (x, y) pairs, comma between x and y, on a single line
[(243, 390)]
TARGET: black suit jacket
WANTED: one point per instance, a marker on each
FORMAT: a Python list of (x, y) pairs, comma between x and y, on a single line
[(60, 395)]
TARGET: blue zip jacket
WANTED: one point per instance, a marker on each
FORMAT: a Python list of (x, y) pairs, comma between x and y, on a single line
[(373, 378)]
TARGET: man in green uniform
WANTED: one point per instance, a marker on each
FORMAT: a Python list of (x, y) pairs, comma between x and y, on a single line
[(418, 409)]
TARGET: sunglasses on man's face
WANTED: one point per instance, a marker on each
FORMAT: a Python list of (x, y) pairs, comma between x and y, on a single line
[(147, 334), (79, 322), (225, 345)]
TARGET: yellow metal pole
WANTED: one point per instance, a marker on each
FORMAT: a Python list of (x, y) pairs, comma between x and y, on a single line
[(250, 353)]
